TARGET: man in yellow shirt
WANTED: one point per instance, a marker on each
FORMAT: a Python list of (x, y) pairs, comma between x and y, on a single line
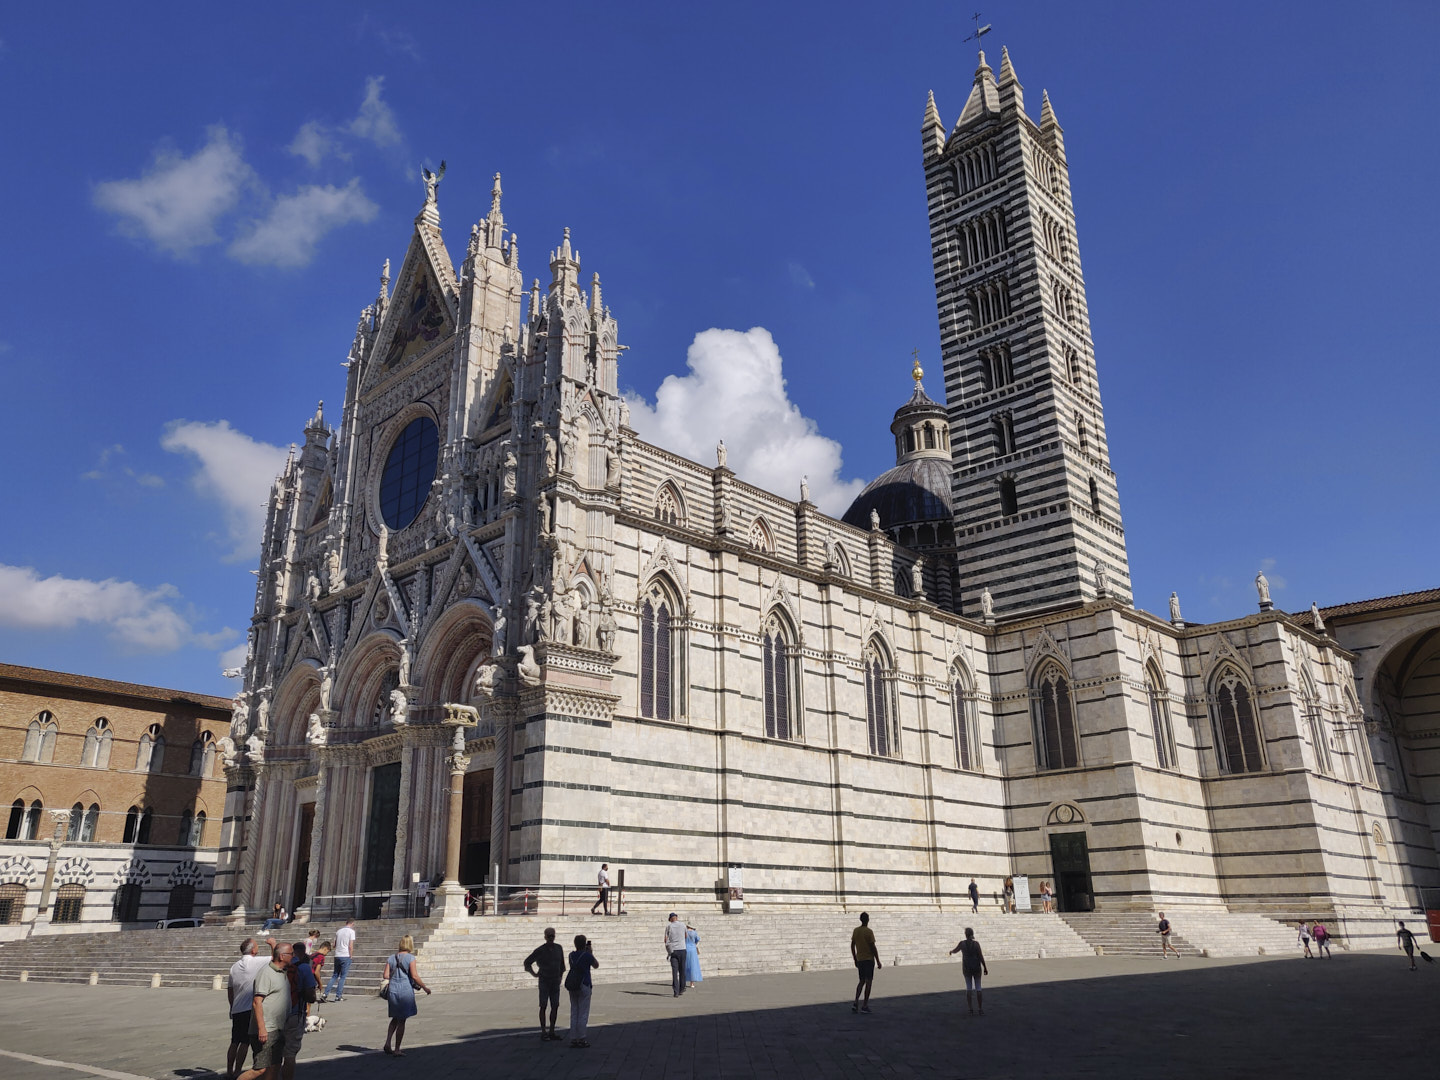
[(867, 959)]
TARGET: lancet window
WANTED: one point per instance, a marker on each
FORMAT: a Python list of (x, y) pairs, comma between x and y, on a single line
[(1238, 733), (879, 703), (1056, 739)]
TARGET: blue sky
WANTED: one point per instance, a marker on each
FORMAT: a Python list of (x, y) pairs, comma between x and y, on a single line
[(198, 204)]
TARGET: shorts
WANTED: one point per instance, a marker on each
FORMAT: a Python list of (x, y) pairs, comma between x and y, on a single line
[(972, 982), (240, 1026), (272, 1051), (294, 1035), (550, 992), (866, 969)]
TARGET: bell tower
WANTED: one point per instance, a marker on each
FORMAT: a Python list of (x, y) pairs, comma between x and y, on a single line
[(1037, 510)]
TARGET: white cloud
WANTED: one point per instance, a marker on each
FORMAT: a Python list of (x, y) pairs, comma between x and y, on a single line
[(178, 201), (315, 142), (376, 120), (138, 618), (800, 277), (736, 391), (113, 454), (295, 224), (235, 470)]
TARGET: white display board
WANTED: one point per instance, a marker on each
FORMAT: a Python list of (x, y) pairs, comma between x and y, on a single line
[(1022, 893)]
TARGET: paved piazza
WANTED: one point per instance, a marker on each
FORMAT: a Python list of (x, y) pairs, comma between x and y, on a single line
[(1357, 1015)]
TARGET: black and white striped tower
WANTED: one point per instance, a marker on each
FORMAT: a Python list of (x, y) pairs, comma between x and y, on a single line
[(1037, 512)]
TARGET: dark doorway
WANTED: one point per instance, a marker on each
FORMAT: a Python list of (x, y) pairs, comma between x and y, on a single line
[(127, 903), (182, 902), (302, 858), (475, 827), (1070, 855), (380, 836)]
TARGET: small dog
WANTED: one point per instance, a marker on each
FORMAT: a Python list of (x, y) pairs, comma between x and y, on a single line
[(314, 1023)]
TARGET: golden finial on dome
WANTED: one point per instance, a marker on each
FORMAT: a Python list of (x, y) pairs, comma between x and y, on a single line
[(917, 372)]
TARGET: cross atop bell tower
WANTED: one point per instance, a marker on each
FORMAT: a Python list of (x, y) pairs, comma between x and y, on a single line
[(1036, 503)]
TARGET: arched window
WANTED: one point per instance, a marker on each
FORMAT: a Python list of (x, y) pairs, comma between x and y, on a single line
[(76, 824), (965, 707), (1009, 503), (657, 659), (127, 903), (879, 712), (197, 830), (1056, 738), (132, 825), (183, 833), (842, 562), (1315, 723), (92, 819), (17, 820), (667, 505), (142, 833), (1081, 436), (40, 739), (12, 903), (1094, 497), (150, 755), (1238, 735), (69, 903), (202, 754), (96, 753), (1004, 428), (32, 821), (1159, 718), (182, 902), (778, 663), (760, 537)]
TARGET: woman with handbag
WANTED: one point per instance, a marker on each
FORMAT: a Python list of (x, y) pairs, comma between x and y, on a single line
[(402, 978), (577, 984)]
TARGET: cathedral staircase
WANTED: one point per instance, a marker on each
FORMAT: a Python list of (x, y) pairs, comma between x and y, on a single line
[(487, 953), (1125, 933), (191, 957)]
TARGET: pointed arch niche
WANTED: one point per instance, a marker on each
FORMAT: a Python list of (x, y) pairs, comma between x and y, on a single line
[(780, 673), (965, 708), (880, 698), (1057, 741), (1238, 746), (662, 661)]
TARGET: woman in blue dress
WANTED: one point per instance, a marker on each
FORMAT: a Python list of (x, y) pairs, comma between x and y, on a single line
[(692, 956), (403, 978)]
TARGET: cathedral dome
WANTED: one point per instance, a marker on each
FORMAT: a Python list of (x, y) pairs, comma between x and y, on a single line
[(917, 489)]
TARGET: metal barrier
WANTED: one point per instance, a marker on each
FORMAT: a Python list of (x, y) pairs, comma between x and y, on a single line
[(536, 898), (369, 905)]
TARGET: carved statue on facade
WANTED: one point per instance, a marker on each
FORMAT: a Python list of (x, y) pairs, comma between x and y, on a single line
[(487, 680), (240, 718), (612, 463), (874, 520), (1315, 614), (229, 753), (312, 587), (1175, 609), (431, 180), (804, 489), (327, 685), (568, 450), (255, 749), (722, 524), (1262, 586), (528, 669), (508, 479), (399, 708), (497, 631), (406, 658), (721, 454), (582, 623), (458, 758), (382, 550), (1102, 585), (546, 627), (262, 715), (606, 629), (987, 603), (917, 578), (315, 733), (551, 452), (532, 617)]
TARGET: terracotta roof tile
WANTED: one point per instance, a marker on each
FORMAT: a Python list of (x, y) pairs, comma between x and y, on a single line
[(65, 680), (1365, 607)]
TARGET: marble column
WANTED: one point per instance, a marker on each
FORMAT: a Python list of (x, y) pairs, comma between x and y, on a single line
[(249, 859), (225, 897), (450, 903)]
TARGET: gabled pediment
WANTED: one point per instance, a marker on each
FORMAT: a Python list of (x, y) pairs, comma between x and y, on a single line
[(424, 310)]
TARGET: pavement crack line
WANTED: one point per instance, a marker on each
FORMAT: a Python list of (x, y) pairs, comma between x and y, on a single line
[(73, 1066)]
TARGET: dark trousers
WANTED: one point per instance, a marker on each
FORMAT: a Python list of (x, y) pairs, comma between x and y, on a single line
[(677, 971), (604, 899)]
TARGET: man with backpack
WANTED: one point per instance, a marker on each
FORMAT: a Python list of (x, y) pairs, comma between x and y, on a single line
[(303, 991)]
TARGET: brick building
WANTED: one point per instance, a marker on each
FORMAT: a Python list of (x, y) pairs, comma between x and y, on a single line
[(114, 798)]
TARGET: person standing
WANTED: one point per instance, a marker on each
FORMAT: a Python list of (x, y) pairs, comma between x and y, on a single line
[(1045, 897), (1322, 939), (241, 992), (972, 963), (302, 995), (974, 897), (675, 952), (1164, 931), (692, 957), (344, 952), (1008, 896), (547, 964), (1405, 940), (602, 880), (271, 1009), (578, 985), (866, 955), (1303, 938), (403, 974)]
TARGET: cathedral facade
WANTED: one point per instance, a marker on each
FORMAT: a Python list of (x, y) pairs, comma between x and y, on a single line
[(497, 633)]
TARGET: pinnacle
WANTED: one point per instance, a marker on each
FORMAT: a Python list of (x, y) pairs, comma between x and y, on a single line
[(1007, 70), (932, 114), (1047, 114)]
